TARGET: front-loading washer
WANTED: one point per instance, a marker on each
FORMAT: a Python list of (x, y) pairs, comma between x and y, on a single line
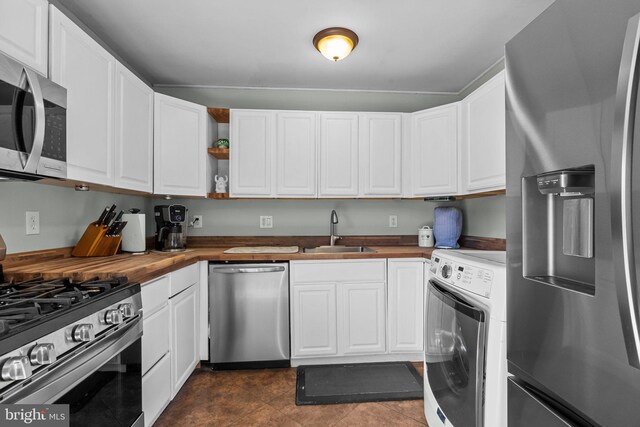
[(465, 366)]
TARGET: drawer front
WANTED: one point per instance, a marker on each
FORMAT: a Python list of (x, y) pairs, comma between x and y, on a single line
[(155, 340), (183, 278), (339, 271), (155, 294), (156, 390)]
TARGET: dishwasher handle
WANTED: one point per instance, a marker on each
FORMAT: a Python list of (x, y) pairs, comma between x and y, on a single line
[(234, 270)]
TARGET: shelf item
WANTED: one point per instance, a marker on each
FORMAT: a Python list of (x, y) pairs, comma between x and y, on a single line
[(219, 153), (218, 195), (221, 115)]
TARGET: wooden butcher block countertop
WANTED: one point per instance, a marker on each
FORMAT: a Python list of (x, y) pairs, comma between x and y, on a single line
[(141, 268)]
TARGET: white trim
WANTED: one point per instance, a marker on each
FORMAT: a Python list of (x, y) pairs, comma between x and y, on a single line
[(371, 358)]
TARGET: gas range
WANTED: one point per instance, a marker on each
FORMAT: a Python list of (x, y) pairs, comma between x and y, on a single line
[(57, 337)]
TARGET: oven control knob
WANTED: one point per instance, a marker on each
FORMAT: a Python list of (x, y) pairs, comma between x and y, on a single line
[(83, 333), (126, 309), (446, 271), (16, 368), (42, 354), (113, 316)]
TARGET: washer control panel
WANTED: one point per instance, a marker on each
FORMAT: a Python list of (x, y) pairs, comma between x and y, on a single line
[(474, 279)]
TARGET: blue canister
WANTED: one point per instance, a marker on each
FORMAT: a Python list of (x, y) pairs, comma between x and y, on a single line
[(447, 226)]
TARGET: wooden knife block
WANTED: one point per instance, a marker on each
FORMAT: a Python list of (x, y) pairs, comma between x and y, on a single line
[(95, 242)]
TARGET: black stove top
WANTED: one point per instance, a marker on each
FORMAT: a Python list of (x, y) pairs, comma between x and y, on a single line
[(25, 303)]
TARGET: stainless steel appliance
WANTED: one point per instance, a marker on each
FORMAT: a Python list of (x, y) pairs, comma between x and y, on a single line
[(74, 343), (33, 124), (573, 168), (249, 315), (171, 228)]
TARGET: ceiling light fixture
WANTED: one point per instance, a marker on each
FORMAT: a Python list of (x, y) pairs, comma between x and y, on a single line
[(335, 43)]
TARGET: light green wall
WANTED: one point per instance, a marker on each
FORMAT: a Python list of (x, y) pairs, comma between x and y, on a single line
[(64, 213), (482, 217)]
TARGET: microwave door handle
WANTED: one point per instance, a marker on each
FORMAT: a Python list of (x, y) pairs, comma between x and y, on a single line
[(621, 192), (31, 78)]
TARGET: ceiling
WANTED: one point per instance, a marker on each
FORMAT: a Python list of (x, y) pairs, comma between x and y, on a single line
[(405, 45)]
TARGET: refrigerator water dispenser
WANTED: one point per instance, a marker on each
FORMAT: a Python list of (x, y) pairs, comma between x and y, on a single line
[(558, 228)]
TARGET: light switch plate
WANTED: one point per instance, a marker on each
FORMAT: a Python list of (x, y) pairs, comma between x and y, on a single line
[(32, 222), (393, 221), (266, 222)]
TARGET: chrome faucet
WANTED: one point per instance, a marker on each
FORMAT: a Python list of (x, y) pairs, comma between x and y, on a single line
[(332, 225)]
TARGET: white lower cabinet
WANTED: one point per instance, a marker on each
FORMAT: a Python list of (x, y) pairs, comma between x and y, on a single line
[(360, 310), (338, 307), (184, 322), (314, 320), (170, 349), (363, 318), (156, 390), (406, 306)]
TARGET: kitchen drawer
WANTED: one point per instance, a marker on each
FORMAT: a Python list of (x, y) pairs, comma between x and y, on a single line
[(183, 278), (156, 390), (339, 271), (155, 293), (155, 340)]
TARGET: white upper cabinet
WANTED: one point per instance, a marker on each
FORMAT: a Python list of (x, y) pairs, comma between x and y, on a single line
[(251, 153), (434, 151), (23, 32), (296, 150), (338, 155), (134, 132), (484, 140), (180, 147), (380, 154), (87, 71)]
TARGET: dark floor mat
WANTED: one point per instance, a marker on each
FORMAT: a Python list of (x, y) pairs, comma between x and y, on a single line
[(354, 383)]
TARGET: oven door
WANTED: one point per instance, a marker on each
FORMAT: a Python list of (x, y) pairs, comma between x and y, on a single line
[(454, 355), (101, 383)]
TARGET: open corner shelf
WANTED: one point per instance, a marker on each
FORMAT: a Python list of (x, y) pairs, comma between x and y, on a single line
[(219, 153), (217, 195), (220, 115)]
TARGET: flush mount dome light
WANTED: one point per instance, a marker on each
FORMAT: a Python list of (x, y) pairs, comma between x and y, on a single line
[(335, 43)]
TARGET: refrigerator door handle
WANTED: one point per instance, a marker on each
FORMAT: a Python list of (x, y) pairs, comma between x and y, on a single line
[(621, 182)]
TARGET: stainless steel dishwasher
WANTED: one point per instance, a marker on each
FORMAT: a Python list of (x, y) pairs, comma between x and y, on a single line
[(249, 315)]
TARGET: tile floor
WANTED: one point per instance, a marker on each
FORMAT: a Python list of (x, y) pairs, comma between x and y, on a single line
[(267, 398)]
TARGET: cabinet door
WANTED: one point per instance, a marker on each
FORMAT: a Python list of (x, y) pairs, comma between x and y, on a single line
[(338, 155), (362, 318), (134, 132), (81, 65), (156, 390), (380, 154), (406, 305), (251, 139), (183, 308), (180, 147), (434, 151), (313, 320), (155, 340), (23, 32), (484, 140), (296, 154)]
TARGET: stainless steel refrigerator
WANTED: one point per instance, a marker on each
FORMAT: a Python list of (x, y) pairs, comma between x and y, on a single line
[(573, 222)]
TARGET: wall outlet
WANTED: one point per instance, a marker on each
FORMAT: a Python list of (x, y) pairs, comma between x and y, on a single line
[(196, 221), (393, 221), (33, 222), (266, 222)]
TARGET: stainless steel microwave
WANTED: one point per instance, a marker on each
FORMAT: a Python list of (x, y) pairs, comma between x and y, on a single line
[(33, 124)]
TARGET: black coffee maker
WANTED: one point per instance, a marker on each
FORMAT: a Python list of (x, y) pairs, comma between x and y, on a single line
[(171, 228)]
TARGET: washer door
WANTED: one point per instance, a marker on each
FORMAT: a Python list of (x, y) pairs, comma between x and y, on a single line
[(454, 355)]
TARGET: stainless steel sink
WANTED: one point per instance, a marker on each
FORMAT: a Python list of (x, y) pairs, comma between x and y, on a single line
[(336, 249)]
